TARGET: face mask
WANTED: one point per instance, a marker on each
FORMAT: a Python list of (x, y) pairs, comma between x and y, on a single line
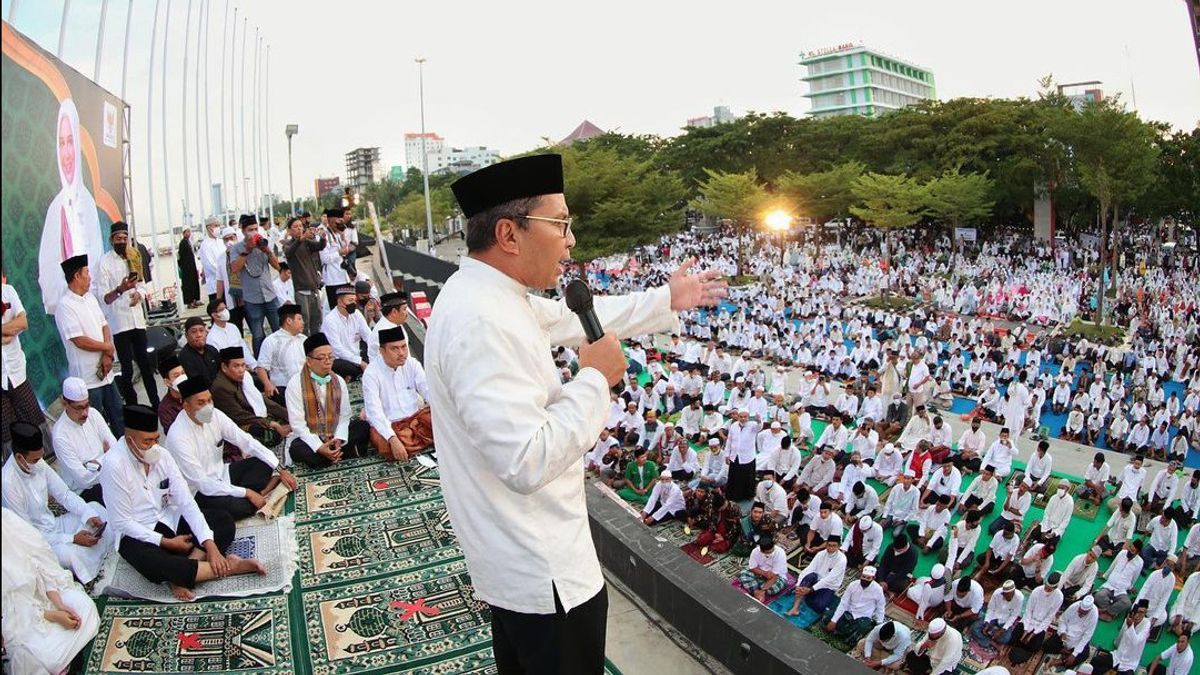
[(205, 414), (321, 379), (352, 308), (152, 455), (27, 468), (229, 245), (223, 315), (120, 249)]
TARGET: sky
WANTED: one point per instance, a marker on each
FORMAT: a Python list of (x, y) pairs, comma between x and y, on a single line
[(508, 75)]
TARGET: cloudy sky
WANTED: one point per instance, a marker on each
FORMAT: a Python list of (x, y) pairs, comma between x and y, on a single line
[(506, 75)]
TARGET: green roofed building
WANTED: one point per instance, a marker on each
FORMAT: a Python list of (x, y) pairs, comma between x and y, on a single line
[(856, 80)]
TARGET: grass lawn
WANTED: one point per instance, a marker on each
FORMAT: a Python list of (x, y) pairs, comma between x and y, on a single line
[(889, 302), (1110, 336)]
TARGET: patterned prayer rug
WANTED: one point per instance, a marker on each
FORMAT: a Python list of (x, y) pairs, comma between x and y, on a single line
[(351, 463), (787, 589), (729, 566), (1086, 509), (364, 488), (697, 554), (373, 544), (831, 639), (272, 543), (244, 635)]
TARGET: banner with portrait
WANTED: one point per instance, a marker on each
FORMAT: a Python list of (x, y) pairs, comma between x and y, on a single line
[(63, 187)]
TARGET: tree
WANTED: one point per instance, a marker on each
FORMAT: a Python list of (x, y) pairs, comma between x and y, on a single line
[(889, 203), (736, 196), (1115, 156), (823, 195), (957, 198), (410, 213)]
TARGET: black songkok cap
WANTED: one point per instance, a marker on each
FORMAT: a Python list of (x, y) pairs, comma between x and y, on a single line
[(388, 335), (192, 386), (395, 299), (119, 226), (167, 364), (230, 353), (519, 178), (192, 322), (72, 265), (247, 219), (26, 437), (141, 417), (313, 341), (288, 309)]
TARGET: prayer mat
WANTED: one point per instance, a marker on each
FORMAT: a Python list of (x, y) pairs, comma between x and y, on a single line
[(1085, 509), (969, 664), (673, 532), (902, 609), (788, 587), (728, 567), (804, 619), (788, 539), (350, 463), (831, 639), (693, 551), (245, 635), (365, 488), (273, 544), (1028, 668), (368, 545)]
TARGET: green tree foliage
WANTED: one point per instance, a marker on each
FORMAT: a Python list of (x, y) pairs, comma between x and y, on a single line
[(822, 195), (959, 198), (889, 202), (736, 196)]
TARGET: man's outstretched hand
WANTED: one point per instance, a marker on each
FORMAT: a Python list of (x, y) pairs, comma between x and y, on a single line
[(689, 291)]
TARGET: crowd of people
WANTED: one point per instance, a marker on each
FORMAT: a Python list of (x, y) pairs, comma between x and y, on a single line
[(715, 430), (163, 482)]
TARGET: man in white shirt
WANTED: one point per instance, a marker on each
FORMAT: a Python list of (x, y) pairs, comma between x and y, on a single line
[(79, 537), (666, 501), (318, 404), (196, 443), (835, 437), (346, 330), (1095, 480), (821, 579), (1000, 553), (964, 534), (787, 463), (88, 341), (1039, 467), (1174, 660), (963, 606), (161, 531), (861, 607), (1115, 596), (18, 402), (1156, 591), (81, 439), (225, 332), (818, 473), (1081, 572), (394, 389), (1056, 518), (772, 496), (929, 532), (212, 256), (767, 572), (1185, 613), (1073, 632), (285, 293), (282, 353), (122, 290), (939, 653), (1003, 610), (1041, 609), (901, 505), (1186, 508), (885, 646), (915, 431), (981, 493), (970, 448), (393, 310), (1164, 534), (889, 465), (1001, 455), (510, 433), (1129, 485)]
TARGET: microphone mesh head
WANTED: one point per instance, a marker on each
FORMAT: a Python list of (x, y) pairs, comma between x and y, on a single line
[(578, 296)]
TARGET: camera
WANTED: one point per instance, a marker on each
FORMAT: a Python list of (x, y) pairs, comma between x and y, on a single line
[(256, 241)]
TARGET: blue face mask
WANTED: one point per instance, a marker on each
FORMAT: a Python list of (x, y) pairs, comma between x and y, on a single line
[(321, 379)]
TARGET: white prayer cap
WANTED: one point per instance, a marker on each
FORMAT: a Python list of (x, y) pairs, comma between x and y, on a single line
[(776, 425), (909, 473), (869, 571), (743, 411), (760, 388), (714, 442), (1087, 603), (665, 474), (228, 231), (212, 220), (671, 425), (74, 389), (889, 447), (938, 571), (796, 406), (938, 625), (1009, 585), (865, 523), (1062, 485), (723, 409), (1026, 482), (739, 380)]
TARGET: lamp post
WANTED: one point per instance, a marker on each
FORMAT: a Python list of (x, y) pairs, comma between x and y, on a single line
[(424, 157), (291, 130)]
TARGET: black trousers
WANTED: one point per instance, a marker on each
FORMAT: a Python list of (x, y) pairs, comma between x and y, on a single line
[(93, 494), (131, 347), (348, 370), (251, 473), (357, 445), (563, 642), (158, 564)]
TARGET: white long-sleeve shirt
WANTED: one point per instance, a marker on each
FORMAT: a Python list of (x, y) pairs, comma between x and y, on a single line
[(1187, 604), (902, 503), (1080, 573), (1124, 571), (138, 499), (1058, 513), (390, 394), (962, 544), (1000, 457), (872, 540), (1131, 482), (1075, 630), (344, 333), (1005, 612), (664, 499), (740, 442), (897, 647), (817, 473), (946, 653), (1130, 643), (1156, 591), (212, 259), (933, 523), (1119, 528), (228, 335), (282, 356), (511, 434), (1163, 537), (830, 569), (120, 314), (80, 449), (861, 603), (294, 397), (197, 450), (1038, 468), (1041, 609), (26, 494)]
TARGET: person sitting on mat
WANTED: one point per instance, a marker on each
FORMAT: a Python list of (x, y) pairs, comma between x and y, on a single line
[(820, 581), (394, 388), (234, 394), (318, 404), (196, 442), (162, 532), (766, 573), (666, 501), (859, 610)]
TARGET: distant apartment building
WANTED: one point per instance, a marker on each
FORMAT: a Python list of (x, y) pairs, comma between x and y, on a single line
[(412, 148), (443, 158), (852, 79), (363, 167), (721, 115)]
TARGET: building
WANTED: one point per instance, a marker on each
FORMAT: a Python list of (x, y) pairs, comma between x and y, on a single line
[(362, 168), (1082, 93), (721, 115), (852, 79), (397, 173), (462, 160), (323, 186), (584, 131), (412, 148)]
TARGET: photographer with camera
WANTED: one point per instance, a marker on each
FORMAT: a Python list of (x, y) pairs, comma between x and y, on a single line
[(302, 248), (333, 258), (252, 257)]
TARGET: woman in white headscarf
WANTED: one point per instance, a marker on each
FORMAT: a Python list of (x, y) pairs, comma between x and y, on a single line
[(48, 618), (72, 225)]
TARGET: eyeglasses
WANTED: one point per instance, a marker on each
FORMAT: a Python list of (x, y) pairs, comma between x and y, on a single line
[(566, 224), (322, 359)]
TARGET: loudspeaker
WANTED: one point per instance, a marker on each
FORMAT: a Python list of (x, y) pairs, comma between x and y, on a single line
[(162, 341)]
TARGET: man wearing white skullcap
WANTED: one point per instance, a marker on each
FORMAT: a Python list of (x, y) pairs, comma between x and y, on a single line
[(860, 608), (81, 437), (863, 541), (1074, 632), (1003, 610), (716, 470), (930, 591), (939, 653), (666, 501)]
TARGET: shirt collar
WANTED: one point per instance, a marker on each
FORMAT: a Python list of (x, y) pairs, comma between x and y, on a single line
[(476, 267)]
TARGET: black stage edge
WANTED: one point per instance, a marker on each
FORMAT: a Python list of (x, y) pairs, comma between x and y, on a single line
[(729, 625)]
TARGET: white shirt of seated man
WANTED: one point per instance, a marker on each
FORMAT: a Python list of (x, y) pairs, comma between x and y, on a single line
[(394, 387)]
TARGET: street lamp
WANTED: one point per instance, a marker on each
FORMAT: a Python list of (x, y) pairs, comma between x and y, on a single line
[(291, 130), (779, 221), (424, 157)]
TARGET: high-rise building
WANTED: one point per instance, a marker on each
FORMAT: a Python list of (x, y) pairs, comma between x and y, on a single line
[(412, 148), (852, 79), (721, 115), (362, 168)]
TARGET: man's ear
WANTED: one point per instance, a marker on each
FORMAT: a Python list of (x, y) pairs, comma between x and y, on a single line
[(506, 236)]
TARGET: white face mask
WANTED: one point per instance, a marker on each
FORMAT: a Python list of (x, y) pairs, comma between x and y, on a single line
[(223, 315), (205, 414), (152, 455)]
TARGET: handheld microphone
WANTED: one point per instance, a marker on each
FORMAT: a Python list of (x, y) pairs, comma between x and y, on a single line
[(579, 300)]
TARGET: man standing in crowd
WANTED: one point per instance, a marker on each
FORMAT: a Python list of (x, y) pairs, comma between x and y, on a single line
[(123, 290), (18, 403), (253, 260), (303, 252), (189, 277), (88, 341)]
